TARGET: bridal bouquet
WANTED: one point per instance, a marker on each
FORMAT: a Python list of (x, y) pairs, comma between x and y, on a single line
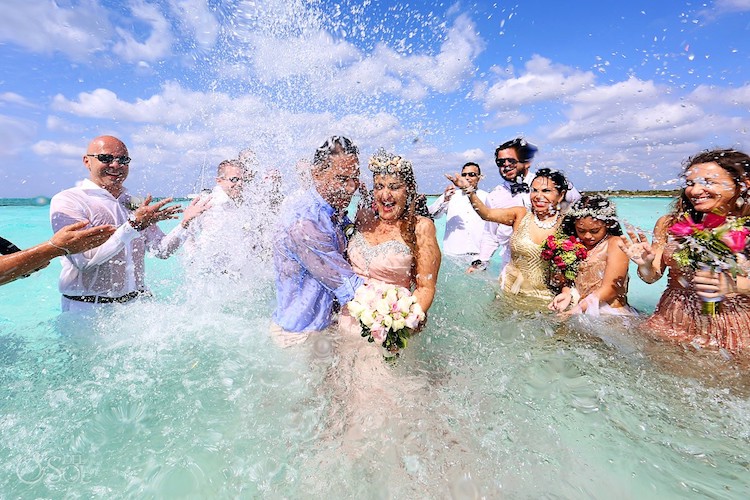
[(565, 254), (387, 314), (714, 244)]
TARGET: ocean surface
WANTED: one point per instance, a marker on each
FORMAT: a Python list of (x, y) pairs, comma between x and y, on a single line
[(185, 396)]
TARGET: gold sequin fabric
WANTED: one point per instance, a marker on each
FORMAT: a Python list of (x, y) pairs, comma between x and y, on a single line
[(527, 272)]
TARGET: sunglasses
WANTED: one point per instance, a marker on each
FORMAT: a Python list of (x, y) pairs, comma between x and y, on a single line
[(107, 158), (469, 174), (233, 180), (510, 161)]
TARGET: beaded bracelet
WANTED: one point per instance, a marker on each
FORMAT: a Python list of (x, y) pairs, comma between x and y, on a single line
[(67, 252)]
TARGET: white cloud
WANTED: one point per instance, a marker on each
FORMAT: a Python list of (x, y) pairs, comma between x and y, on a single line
[(174, 105), (57, 124), (159, 42), (44, 26), (732, 5), (55, 148), (16, 134), (541, 81), (16, 99), (713, 94)]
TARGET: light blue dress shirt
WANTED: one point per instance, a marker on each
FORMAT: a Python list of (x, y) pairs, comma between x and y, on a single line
[(310, 264)]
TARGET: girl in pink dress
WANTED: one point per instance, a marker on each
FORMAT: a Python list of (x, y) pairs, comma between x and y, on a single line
[(715, 182), (601, 285)]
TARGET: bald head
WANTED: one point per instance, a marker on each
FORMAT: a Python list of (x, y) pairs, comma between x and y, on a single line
[(107, 160)]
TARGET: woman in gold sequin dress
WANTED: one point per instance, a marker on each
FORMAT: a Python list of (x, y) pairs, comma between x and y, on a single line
[(715, 182), (527, 273), (601, 285)]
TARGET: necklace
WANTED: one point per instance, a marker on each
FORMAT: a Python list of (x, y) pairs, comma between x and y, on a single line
[(546, 225)]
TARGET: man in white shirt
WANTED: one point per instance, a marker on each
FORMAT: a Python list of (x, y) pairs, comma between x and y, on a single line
[(227, 226), (463, 227), (513, 159), (114, 271)]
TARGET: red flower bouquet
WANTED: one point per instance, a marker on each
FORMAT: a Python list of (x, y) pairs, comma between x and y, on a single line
[(565, 254), (714, 244)]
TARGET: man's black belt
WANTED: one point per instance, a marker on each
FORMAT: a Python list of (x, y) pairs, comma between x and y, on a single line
[(96, 299)]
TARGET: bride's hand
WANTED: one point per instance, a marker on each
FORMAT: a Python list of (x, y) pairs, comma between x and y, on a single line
[(457, 180), (637, 247)]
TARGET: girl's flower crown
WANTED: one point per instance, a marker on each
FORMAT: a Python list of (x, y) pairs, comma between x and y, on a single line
[(604, 212)]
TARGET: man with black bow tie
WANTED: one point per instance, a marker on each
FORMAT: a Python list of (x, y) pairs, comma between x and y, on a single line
[(513, 159)]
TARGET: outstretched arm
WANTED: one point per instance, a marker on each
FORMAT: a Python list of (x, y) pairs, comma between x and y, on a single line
[(506, 216), (70, 239)]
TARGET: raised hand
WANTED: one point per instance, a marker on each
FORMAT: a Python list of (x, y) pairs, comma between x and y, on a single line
[(448, 193), (458, 181), (147, 214), (196, 207), (636, 247)]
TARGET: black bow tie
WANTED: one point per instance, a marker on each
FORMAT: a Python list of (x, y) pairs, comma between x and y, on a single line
[(518, 187)]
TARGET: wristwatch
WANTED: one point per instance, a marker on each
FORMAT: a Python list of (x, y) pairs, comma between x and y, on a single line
[(478, 264)]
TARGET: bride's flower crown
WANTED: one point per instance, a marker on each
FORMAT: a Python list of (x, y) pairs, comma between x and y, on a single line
[(384, 163)]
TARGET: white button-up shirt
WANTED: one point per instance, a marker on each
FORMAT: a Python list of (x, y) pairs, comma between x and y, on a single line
[(463, 226), (115, 268)]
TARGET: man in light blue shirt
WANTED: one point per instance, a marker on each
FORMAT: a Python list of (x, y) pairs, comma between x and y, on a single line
[(313, 277)]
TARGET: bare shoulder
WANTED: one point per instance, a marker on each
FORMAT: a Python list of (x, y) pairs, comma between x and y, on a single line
[(424, 226), (664, 222)]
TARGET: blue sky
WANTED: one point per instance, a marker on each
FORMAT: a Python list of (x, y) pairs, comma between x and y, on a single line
[(615, 94)]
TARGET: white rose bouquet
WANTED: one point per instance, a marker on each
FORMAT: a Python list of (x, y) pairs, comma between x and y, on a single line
[(387, 314)]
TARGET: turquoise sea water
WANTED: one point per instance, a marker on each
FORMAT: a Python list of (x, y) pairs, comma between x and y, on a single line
[(185, 396)]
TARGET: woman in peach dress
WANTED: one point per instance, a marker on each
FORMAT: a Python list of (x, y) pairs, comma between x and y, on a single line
[(715, 182), (384, 416)]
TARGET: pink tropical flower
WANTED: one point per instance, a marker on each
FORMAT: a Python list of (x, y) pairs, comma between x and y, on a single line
[(736, 239), (685, 227), (712, 221)]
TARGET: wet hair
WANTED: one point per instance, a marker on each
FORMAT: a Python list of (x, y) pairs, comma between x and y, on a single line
[(735, 163), (525, 151), (472, 164), (594, 206), (556, 177), (333, 146)]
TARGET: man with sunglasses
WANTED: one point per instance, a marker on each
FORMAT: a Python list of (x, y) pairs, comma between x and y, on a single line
[(313, 277), (213, 239), (463, 227), (114, 271)]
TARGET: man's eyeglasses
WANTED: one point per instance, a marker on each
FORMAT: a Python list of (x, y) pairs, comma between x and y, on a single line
[(510, 161), (469, 174), (107, 158), (233, 180)]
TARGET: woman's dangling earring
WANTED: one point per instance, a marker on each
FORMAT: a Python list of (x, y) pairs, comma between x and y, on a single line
[(740, 202)]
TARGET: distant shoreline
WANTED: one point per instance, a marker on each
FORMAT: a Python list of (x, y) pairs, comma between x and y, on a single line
[(622, 193)]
